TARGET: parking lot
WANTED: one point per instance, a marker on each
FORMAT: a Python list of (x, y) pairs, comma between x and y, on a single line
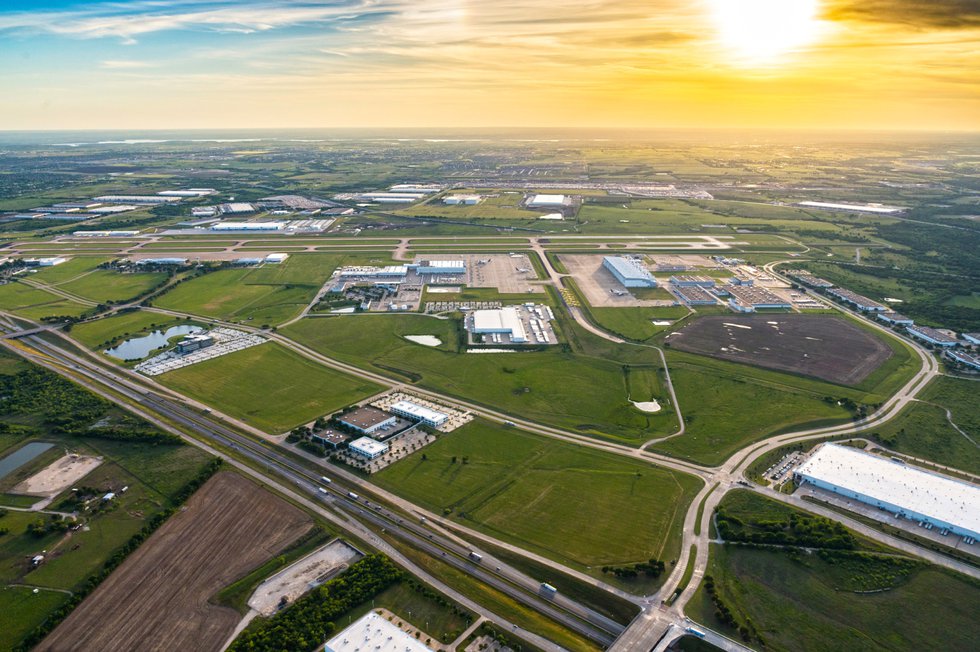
[(226, 340), (509, 273), (457, 417)]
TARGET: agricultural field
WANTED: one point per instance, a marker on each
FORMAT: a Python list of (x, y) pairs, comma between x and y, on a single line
[(587, 392), (33, 303), (847, 593), (160, 594), (41, 407), (270, 294), (924, 429), (563, 501), (269, 387), (827, 348)]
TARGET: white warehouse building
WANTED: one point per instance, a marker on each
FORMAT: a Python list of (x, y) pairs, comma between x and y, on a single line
[(369, 448), (918, 495), (247, 226), (441, 267), (629, 271), (506, 321), (417, 412)]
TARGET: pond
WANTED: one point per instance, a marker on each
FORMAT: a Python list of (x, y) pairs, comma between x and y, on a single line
[(22, 456), (137, 348)]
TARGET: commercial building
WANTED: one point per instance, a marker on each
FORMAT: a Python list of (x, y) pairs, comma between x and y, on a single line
[(68, 217), (630, 272), (750, 299), (367, 420), (374, 633), (190, 192), (500, 321), (692, 281), (247, 226), (204, 211), (859, 301), (895, 319), (462, 200), (236, 208), (742, 280), (369, 448), (972, 338), (695, 295), (163, 261), (971, 360), (932, 336), (365, 272), (44, 262), (136, 199), (806, 278), (111, 210), (194, 343), (929, 498), (546, 201), (419, 413), (878, 209), (441, 267), (275, 259), (422, 188), (105, 234), (331, 439)]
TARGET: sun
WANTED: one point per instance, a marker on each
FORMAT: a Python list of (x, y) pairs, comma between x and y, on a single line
[(765, 32)]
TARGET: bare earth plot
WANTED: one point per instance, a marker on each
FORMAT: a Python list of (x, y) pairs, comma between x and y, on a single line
[(57, 476), (158, 598), (828, 348)]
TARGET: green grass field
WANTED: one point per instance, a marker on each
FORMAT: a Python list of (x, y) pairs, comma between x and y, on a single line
[(269, 387), (269, 294), (33, 303), (587, 393), (23, 610), (105, 331), (798, 603), (69, 270), (108, 286), (727, 406), (561, 500), (923, 429)]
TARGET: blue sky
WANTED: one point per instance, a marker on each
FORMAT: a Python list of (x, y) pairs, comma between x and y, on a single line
[(651, 63)]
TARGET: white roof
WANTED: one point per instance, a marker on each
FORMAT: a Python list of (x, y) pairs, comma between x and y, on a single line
[(276, 258), (500, 320), (418, 411), (374, 633), (866, 208), (929, 494), (247, 226), (368, 446), (453, 264), (548, 199)]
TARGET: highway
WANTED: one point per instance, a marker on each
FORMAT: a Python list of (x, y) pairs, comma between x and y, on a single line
[(493, 572)]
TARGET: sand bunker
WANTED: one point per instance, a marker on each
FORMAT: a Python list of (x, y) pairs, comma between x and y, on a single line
[(647, 406)]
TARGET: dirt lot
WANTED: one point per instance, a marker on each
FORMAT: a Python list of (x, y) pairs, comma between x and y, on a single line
[(158, 598), (297, 579), (599, 285), (828, 348), (57, 476)]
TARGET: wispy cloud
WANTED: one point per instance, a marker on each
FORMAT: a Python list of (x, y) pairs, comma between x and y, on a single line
[(124, 64)]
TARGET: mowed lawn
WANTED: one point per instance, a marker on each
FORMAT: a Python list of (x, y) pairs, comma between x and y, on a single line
[(576, 505), (33, 303), (727, 406), (105, 285), (575, 391), (269, 387), (270, 294)]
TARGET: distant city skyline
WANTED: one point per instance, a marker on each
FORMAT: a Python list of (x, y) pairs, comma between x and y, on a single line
[(210, 64)]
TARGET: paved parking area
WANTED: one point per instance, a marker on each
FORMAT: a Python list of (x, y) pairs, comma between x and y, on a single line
[(509, 273)]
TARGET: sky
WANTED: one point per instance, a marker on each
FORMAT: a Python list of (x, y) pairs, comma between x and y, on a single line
[(179, 64)]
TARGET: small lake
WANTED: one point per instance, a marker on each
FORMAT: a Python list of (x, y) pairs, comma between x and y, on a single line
[(22, 456), (138, 348)]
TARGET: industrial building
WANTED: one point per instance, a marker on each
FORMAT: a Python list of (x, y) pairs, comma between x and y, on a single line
[(369, 448), (969, 359), (547, 201), (895, 319), (419, 413), (695, 295), (374, 633), (111, 210), (44, 262), (806, 278), (275, 259), (629, 271), (236, 208), (365, 272), (500, 321), (247, 226), (367, 420), (858, 301), (440, 267), (692, 281), (190, 192), (932, 336), (194, 343), (105, 234), (462, 200), (751, 298), (136, 199), (931, 499), (972, 338), (878, 209), (162, 261)]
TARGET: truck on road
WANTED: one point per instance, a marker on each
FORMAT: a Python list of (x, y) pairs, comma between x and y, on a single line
[(474, 556)]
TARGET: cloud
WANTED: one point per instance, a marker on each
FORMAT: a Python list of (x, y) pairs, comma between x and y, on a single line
[(123, 64), (935, 14)]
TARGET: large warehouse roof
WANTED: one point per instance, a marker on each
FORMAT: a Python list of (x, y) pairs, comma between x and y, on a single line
[(418, 411), (500, 320), (628, 268), (907, 487), (373, 632)]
